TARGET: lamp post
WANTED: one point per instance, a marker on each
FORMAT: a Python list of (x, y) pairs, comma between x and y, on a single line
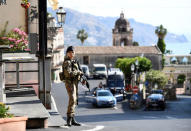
[(61, 15), (136, 68), (132, 70)]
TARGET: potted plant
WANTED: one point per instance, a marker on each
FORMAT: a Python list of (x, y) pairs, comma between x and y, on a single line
[(10, 123), (25, 4), (17, 40)]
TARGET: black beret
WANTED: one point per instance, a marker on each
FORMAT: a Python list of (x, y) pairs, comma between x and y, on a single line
[(70, 48)]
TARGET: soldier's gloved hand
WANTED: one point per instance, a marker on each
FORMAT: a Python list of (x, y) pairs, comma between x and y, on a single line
[(83, 82), (79, 73)]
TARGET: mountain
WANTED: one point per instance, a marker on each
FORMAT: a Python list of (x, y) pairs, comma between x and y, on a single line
[(99, 30)]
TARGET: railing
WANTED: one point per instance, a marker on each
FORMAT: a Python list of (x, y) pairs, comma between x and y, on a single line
[(21, 74)]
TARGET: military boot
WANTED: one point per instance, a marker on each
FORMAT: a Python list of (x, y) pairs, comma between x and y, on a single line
[(75, 123), (69, 121)]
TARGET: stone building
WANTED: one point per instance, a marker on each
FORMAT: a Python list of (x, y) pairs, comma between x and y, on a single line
[(122, 32), (56, 46), (176, 65), (122, 47), (90, 55)]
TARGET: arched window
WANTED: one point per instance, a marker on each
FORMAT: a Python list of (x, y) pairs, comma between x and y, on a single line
[(185, 60), (173, 60)]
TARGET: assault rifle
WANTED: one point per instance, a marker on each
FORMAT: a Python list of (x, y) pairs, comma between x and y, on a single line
[(85, 81), (83, 78)]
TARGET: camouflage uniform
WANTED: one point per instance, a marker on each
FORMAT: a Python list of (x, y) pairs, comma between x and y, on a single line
[(72, 76)]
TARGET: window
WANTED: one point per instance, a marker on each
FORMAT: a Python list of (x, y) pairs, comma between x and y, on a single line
[(86, 60)]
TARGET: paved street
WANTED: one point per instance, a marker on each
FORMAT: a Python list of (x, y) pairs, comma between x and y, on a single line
[(176, 117)]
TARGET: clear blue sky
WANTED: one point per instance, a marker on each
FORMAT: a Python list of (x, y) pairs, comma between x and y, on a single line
[(175, 15)]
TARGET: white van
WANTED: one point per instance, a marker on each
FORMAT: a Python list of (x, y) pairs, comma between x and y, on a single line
[(85, 70), (99, 71)]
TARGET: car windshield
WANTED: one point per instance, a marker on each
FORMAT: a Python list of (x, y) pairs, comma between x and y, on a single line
[(84, 69), (99, 68), (157, 92), (115, 77), (115, 81), (104, 94)]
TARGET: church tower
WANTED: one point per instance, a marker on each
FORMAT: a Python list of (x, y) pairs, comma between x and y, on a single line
[(122, 33)]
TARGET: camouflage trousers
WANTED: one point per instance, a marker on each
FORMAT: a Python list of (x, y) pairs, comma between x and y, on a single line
[(72, 91)]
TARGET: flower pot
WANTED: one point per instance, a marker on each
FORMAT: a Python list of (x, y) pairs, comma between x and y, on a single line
[(13, 124), (25, 5)]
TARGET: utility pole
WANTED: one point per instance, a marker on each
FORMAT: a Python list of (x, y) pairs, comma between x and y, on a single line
[(44, 61)]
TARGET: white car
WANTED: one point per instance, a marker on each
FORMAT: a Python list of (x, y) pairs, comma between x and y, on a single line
[(85, 70), (99, 71)]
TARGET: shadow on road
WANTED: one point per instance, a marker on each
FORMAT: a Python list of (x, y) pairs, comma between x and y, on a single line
[(180, 109)]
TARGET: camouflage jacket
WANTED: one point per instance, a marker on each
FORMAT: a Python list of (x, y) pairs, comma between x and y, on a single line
[(71, 70)]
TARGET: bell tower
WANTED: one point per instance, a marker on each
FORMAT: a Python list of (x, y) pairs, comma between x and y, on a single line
[(122, 32)]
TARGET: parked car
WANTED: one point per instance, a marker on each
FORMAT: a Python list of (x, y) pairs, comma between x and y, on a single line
[(99, 71), (104, 98), (155, 100), (85, 70)]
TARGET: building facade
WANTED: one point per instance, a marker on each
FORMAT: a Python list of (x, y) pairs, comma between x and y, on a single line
[(176, 65), (108, 55), (56, 46), (122, 32)]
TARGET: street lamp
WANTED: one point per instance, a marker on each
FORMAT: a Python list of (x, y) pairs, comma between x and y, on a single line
[(136, 67), (132, 70), (61, 15)]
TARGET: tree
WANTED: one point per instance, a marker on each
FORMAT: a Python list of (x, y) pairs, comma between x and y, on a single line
[(161, 33), (82, 35), (156, 77), (135, 43), (181, 78), (125, 65)]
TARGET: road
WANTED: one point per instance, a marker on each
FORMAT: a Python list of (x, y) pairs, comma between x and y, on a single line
[(176, 117)]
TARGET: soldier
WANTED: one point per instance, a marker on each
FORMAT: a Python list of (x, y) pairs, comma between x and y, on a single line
[(72, 75)]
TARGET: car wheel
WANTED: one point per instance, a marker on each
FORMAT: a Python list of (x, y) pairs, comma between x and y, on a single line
[(94, 104), (163, 108), (147, 108)]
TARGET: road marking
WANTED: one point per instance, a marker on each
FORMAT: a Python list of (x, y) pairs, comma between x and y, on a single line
[(65, 127), (150, 117), (54, 103), (97, 128), (169, 117), (115, 108)]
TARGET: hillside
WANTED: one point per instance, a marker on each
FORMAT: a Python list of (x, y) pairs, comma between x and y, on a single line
[(99, 30)]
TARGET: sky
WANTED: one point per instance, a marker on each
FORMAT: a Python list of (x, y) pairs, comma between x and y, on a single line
[(175, 15)]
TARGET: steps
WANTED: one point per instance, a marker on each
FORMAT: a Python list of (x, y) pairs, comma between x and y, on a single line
[(31, 107)]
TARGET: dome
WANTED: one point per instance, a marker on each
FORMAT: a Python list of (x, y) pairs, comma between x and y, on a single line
[(121, 21)]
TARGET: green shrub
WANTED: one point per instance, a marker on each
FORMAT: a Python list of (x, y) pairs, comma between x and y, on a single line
[(4, 111), (181, 78)]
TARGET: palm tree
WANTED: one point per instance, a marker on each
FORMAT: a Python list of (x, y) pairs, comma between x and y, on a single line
[(82, 35), (161, 33)]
